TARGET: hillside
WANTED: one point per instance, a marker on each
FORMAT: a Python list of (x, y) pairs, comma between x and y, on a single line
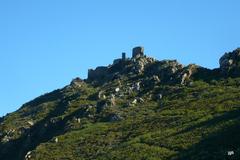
[(137, 108)]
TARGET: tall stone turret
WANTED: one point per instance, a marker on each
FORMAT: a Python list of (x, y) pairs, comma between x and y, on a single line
[(137, 52), (123, 56)]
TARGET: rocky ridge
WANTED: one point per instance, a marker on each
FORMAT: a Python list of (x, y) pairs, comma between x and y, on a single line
[(167, 71), (110, 94)]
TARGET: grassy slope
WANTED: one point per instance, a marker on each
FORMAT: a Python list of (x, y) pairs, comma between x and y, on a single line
[(195, 122)]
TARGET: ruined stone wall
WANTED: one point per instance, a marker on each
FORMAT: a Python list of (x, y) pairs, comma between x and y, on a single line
[(99, 73)]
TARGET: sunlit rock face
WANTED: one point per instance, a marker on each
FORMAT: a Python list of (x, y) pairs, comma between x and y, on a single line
[(230, 63)]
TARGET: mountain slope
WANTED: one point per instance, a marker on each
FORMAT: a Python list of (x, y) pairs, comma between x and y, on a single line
[(136, 108)]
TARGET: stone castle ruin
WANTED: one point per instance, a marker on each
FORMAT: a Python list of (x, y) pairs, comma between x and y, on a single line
[(164, 71), (120, 59), (98, 73), (102, 72)]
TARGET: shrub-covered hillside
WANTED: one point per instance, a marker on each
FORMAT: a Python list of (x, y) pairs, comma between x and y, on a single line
[(137, 108)]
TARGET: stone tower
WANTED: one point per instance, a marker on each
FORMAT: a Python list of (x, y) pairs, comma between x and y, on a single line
[(123, 56), (137, 52)]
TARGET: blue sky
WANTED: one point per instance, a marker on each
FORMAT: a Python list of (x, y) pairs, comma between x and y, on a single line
[(46, 43)]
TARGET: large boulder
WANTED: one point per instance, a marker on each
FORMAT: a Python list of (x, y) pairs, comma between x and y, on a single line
[(106, 103), (113, 117), (230, 63)]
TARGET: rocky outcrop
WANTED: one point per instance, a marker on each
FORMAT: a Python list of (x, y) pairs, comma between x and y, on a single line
[(165, 70), (188, 72), (230, 63), (140, 63), (106, 103), (77, 82)]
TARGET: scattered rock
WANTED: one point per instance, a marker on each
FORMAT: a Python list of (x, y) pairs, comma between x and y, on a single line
[(136, 86), (56, 140), (156, 79), (11, 132), (134, 101), (114, 117), (103, 104), (140, 100), (117, 89), (78, 120), (113, 100), (55, 120), (90, 116), (69, 103), (129, 90), (119, 83), (5, 139), (191, 84), (31, 123), (8, 135), (28, 156), (101, 95), (159, 96), (104, 97), (128, 104), (89, 108)]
